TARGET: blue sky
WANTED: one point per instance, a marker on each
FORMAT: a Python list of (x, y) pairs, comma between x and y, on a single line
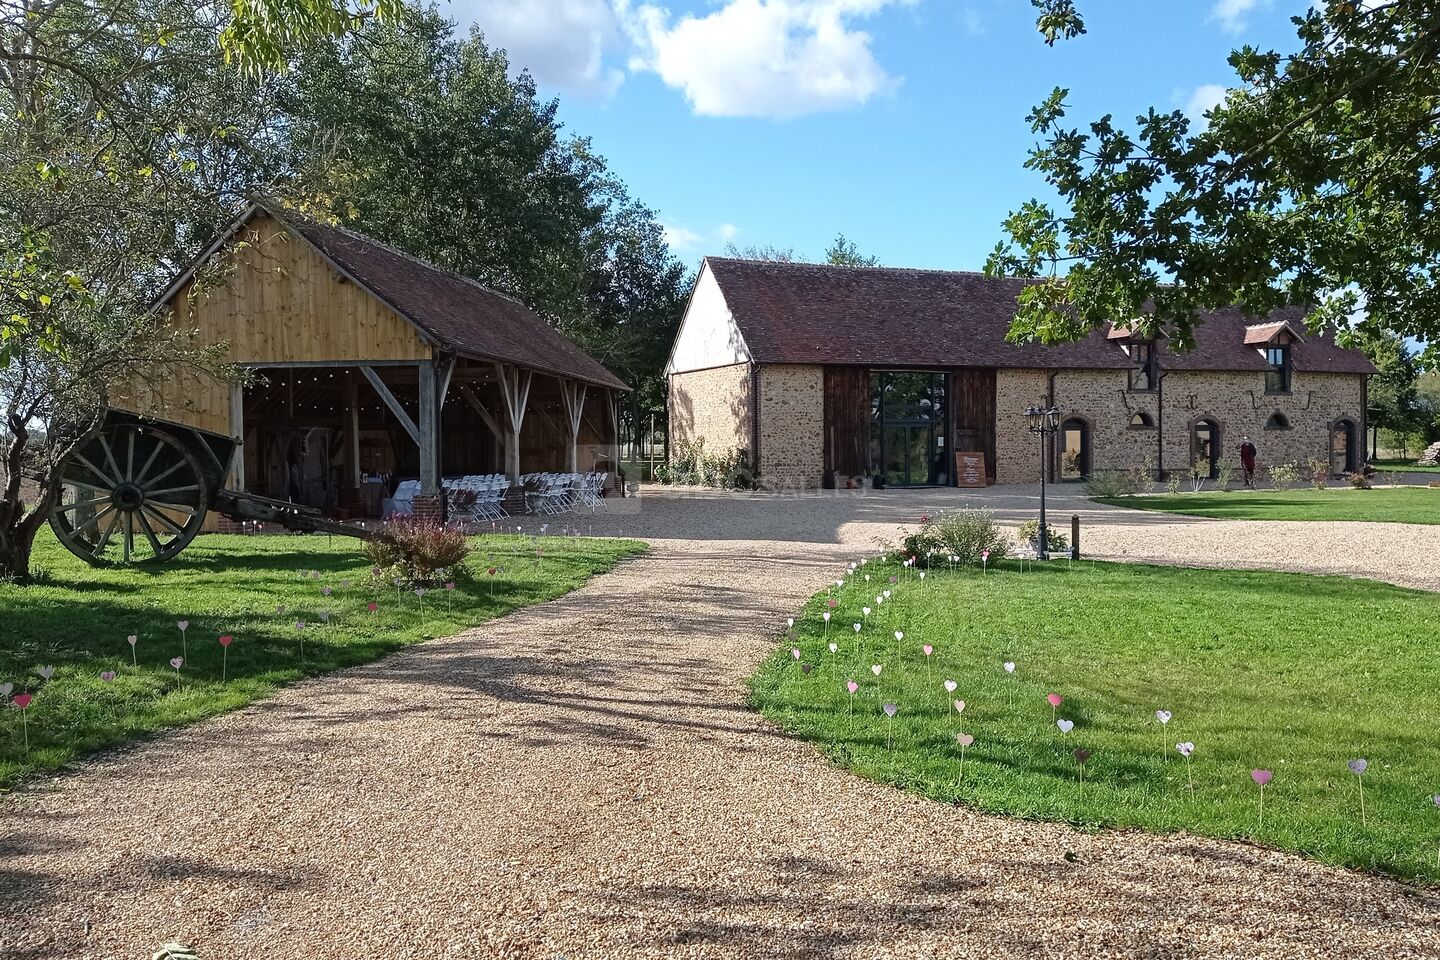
[(899, 122)]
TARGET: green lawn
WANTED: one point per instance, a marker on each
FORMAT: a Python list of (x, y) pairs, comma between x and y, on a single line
[(1286, 672), (1401, 466), (77, 620), (1382, 504)]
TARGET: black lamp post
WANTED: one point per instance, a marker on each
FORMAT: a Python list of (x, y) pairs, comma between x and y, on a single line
[(1043, 422)]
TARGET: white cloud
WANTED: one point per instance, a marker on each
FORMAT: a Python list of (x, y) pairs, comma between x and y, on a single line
[(763, 58), (1232, 14), (566, 45), (972, 20), (684, 240), (1206, 97)]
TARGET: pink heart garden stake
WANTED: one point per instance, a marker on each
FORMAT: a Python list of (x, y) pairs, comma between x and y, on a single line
[(184, 626), (1054, 699), (225, 642), (1186, 749), (132, 640), (964, 739), (1163, 717), (177, 663), (890, 711), (852, 687), (22, 700), (1261, 778)]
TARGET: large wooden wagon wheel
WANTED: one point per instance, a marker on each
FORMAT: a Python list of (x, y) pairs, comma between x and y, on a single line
[(131, 494)]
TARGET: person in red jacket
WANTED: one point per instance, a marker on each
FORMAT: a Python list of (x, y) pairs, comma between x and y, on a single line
[(1247, 461)]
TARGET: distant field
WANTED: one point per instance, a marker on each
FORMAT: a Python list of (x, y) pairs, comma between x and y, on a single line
[(1381, 505), (1402, 466)]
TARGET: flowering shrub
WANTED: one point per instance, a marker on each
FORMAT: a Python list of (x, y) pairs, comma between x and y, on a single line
[(1320, 473), (962, 534), (1360, 480), (417, 549), (690, 464), (1284, 475)]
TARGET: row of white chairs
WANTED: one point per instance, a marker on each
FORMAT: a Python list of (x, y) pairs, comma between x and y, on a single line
[(477, 497), (482, 496), (552, 493)]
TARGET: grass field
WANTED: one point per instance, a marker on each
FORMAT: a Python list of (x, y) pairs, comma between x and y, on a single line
[(1402, 466), (77, 620), (1381, 505), (1295, 674)]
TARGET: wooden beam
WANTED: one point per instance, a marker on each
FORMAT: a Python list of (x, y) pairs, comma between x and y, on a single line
[(445, 370), (237, 430), (429, 429), (391, 402), (515, 392), (474, 401), (572, 393)]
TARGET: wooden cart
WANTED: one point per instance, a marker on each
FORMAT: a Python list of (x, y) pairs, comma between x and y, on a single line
[(140, 489)]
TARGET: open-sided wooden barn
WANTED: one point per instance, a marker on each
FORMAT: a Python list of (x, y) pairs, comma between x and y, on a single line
[(373, 366)]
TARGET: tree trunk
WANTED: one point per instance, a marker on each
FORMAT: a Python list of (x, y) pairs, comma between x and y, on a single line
[(16, 544)]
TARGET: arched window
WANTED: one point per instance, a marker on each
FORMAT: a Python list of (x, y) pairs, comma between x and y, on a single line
[(1140, 420), (1277, 421)]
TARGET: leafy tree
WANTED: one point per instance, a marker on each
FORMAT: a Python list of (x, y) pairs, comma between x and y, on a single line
[(762, 252), (844, 253), (1313, 182), (422, 139), (123, 139)]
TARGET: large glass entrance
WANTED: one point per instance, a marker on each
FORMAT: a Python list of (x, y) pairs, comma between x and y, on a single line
[(908, 427)]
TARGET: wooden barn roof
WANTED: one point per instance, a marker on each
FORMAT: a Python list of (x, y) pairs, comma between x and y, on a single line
[(883, 316), (454, 312)]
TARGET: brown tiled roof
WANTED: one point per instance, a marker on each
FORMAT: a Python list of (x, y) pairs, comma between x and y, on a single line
[(882, 316), (454, 311), (1260, 334)]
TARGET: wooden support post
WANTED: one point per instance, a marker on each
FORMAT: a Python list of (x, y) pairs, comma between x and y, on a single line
[(237, 430), (515, 392), (572, 392), (352, 428), (1074, 536), (429, 430)]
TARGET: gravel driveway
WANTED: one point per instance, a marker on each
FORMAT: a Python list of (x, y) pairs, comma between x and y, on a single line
[(582, 779)]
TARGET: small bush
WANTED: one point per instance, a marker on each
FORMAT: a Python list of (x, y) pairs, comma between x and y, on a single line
[(962, 534), (1172, 486), (1225, 474), (417, 549), (1054, 539), (1284, 475), (1112, 483), (1320, 473), (691, 465), (1360, 480)]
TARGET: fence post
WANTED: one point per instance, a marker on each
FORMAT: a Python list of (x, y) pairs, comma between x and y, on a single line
[(1074, 536)]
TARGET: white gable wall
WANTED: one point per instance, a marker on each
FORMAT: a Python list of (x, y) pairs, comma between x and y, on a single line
[(708, 335)]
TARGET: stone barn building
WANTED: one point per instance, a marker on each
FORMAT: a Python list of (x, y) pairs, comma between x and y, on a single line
[(825, 374)]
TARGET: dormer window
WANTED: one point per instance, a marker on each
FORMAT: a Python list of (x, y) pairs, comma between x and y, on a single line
[(1142, 366), (1278, 370)]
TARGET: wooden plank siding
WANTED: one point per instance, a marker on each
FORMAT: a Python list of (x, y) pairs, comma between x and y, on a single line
[(276, 301), (972, 414), (847, 420)]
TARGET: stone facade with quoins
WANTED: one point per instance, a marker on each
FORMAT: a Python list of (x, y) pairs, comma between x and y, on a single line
[(888, 373)]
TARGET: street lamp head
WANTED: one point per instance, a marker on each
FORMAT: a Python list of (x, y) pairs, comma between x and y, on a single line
[(1034, 413), (1052, 418)]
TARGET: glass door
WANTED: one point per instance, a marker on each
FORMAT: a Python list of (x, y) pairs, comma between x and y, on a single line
[(908, 428)]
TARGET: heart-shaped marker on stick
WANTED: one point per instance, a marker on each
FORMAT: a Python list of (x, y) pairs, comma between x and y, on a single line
[(876, 668), (1055, 699), (950, 686), (805, 668), (46, 672), (1261, 777), (1163, 716), (226, 640), (183, 625), (891, 709), (964, 739), (928, 649), (22, 700), (177, 662), (1082, 754), (795, 653), (1185, 748), (108, 676), (1009, 666), (1065, 725), (1358, 766), (959, 706), (899, 635), (834, 648), (6, 688), (852, 686)]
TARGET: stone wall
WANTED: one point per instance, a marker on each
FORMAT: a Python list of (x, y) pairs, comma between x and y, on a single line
[(714, 405), (1237, 402), (792, 426)]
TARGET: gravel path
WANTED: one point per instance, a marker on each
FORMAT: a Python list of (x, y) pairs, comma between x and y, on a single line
[(582, 779)]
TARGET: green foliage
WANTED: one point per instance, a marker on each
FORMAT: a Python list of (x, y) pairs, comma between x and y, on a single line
[(76, 618), (1115, 483), (1054, 539), (844, 253), (690, 465), (1319, 473), (1259, 669), (957, 536), (1309, 184), (1284, 475), (1359, 480), (423, 139)]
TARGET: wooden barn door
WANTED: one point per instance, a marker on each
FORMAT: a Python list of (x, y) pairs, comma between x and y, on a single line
[(847, 421), (972, 414)]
